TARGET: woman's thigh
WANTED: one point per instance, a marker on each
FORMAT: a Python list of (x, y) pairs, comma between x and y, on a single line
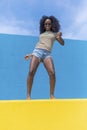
[(49, 65), (34, 64)]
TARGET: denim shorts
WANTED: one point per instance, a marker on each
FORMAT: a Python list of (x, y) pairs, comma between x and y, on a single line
[(41, 53)]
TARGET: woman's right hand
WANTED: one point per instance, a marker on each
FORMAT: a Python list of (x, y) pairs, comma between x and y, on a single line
[(27, 56)]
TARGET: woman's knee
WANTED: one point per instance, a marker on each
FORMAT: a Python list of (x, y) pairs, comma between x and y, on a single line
[(31, 73), (52, 74)]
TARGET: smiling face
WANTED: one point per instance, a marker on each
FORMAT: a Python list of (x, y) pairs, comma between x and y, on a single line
[(47, 25)]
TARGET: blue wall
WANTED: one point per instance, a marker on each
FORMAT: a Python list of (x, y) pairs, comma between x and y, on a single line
[(70, 65)]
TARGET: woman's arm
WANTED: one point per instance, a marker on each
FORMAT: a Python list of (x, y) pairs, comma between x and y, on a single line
[(59, 38)]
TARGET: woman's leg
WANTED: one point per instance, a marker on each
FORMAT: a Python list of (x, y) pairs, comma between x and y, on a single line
[(48, 63), (33, 67)]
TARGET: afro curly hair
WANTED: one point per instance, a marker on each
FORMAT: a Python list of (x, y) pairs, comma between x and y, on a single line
[(55, 24)]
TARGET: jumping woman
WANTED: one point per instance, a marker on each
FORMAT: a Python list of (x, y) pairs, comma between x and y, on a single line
[(49, 32)]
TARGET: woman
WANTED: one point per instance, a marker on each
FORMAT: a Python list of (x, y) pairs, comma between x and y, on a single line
[(49, 32)]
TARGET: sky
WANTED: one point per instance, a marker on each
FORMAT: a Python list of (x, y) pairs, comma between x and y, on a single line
[(22, 17)]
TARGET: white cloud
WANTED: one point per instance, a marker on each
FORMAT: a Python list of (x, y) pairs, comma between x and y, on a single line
[(13, 26), (13, 30), (78, 28)]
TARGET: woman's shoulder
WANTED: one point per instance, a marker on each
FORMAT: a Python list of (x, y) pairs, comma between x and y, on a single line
[(49, 33)]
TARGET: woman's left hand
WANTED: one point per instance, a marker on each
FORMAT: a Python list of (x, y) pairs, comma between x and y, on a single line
[(59, 38), (59, 34)]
